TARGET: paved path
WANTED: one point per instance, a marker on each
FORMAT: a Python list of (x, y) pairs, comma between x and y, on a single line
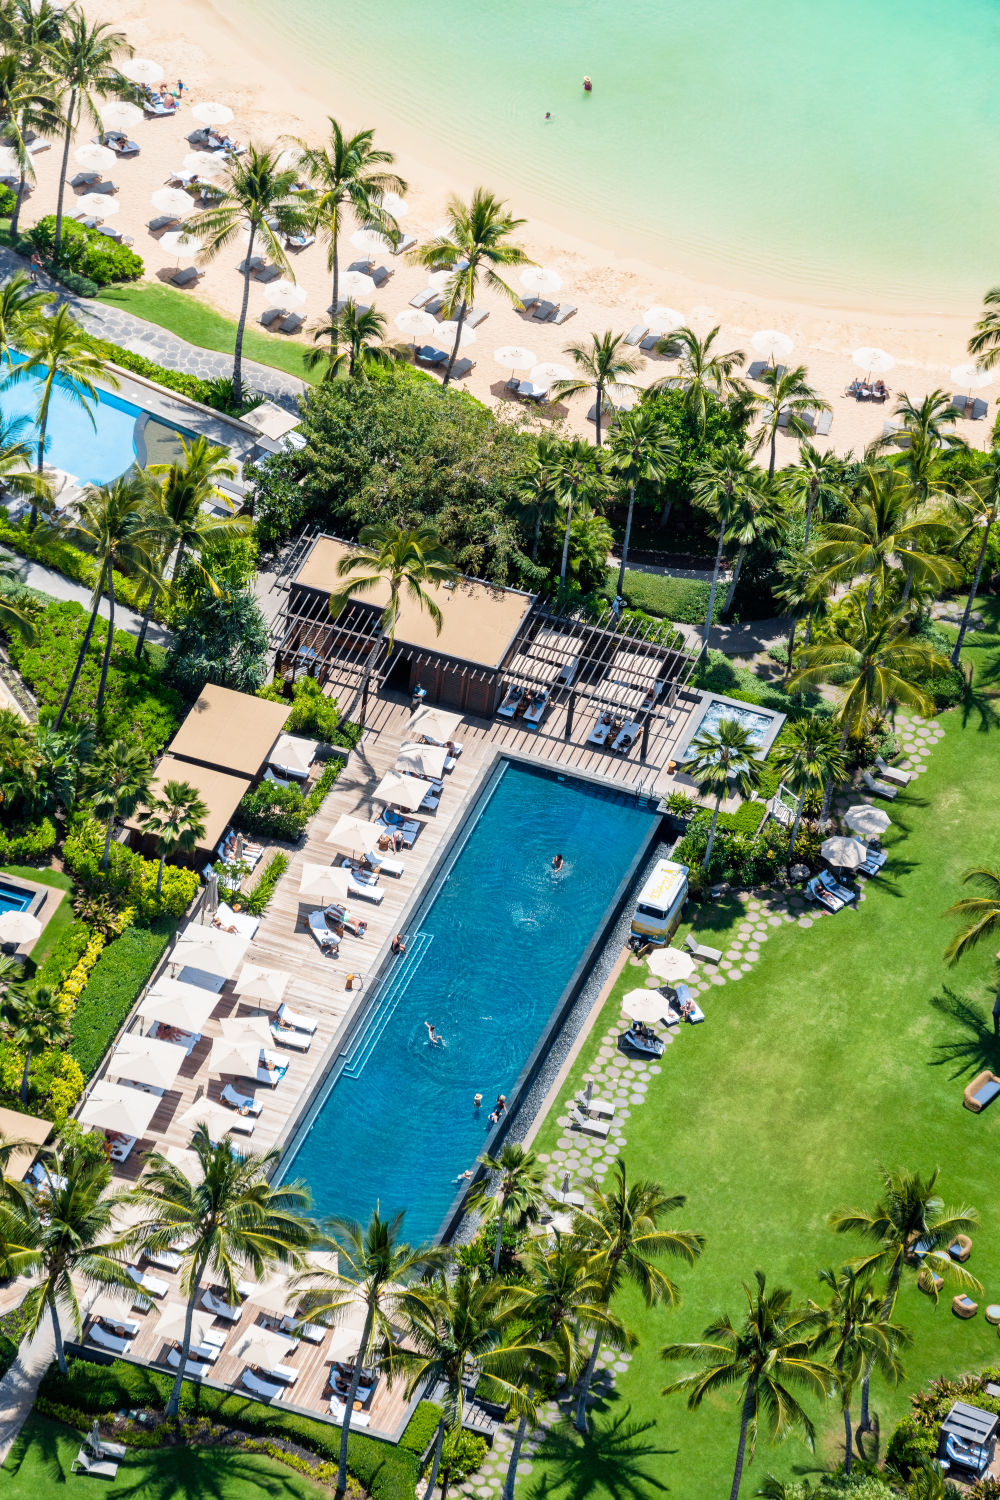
[(47, 581), (20, 1384), (739, 640)]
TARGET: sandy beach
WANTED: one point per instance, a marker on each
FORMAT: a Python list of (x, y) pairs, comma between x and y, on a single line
[(273, 96)]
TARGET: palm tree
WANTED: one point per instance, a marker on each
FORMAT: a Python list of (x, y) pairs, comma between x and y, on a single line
[(980, 914), (374, 1266), (177, 820), (857, 1337), (116, 523), (802, 590), (227, 1223), (84, 61), (623, 1232), (808, 756), (349, 176), (819, 480), (786, 391), (718, 758), (476, 247), (639, 450), (450, 1325), (756, 517), (538, 491), (27, 102), (30, 1019), (718, 482), (61, 1236), (765, 1356), (884, 521), (20, 309), (603, 365), (59, 347), (875, 660), (14, 620), (910, 1229), (975, 513), (578, 479), (706, 372), (407, 561), (930, 427), (257, 197), (516, 1181), (984, 345), (363, 331), (183, 489), (117, 781)]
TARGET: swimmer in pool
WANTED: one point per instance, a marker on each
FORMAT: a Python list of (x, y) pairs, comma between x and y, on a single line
[(432, 1035), (557, 862), (587, 84)]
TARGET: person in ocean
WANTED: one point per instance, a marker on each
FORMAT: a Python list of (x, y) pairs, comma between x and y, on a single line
[(587, 84)]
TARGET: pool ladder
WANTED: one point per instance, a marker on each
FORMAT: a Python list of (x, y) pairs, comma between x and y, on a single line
[(369, 1035)]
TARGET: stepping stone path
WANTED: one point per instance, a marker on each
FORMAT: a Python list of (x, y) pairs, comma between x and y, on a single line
[(624, 1082)]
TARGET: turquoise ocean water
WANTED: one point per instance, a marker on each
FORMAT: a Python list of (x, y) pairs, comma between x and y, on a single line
[(845, 152)]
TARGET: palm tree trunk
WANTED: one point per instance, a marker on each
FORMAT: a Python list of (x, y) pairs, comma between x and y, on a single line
[(600, 411), (711, 834), (57, 1335), (436, 1461), (585, 1383), (864, 1421), (745, 1416), (146, 614), (795, 826), (83, 650), (17, 203), (565, 551), (241, 325), (501, 1206), (791, 648), (43, 422), (57, 247), (711, 593), (335, 260), (159, 874), (107, 838), (810, 503), (741, 554), (668, 506), (462, 312), (628, 536), (110, 640), (345, 1426), (870, 599), (24, 1075), (538, 532), (507, 1493), (173, 1405), (973, 591), (848, 1439), (774, 447)]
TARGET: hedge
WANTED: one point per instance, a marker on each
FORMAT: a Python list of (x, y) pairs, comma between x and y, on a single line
[(85, 252), (682, 600), (421, 1429), (256, 900), (717, 674), (117, 977), (48, 546), (386, 1472), (32, 845)]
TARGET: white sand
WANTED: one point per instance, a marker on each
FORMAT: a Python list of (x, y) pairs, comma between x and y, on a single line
[(218, 60)]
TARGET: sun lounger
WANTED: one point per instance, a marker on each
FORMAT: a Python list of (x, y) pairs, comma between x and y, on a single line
[(289, 1036), (893, 773), (299, 241), (381, 275), (589, 1126), (406, 242), (874, 860), (385, 863), (475, 316), (214, 1304), (462, 367), (122, 1149), (422, 298), (338, 1411), (530, 391), (599, 734), (326, 939), (34, 147), (683, 1008), (564, 311), (701, 950), (544, 311), (243, 1102), (313, 1333), (111, 233), (843, 892), (107, 188), (100, 1468), (815, 891), (186, 276), (122, 147), (435, 305), (365, 890), (287, 1374), (194, 1369), (270, 1069), (245, 925), (110, 1341), (152, 1286), (511, 702), (823, 423), (407, 828), (268, 273), (293, 1018), (602, 1108), (102, 1449), (431, 356), (636, 333), (535, 711), (628, 736), (267, 1390), (159, 108), (84, 179), (880, 788), (269, 315), (167, 1260), (291, 323)]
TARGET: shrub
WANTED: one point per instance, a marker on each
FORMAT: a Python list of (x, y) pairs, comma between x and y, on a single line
[(717, 674), (221, 640), (273, 812), (256, 900), (910, 1444), (129, 880), (31, 845), (420, 1429), (54, 969), (117, 978), (86, 252), (47, 545), (683, 600), (313, 713), (462, 1454)]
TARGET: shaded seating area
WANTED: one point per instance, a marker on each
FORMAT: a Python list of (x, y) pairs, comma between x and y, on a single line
[(967, 1440)]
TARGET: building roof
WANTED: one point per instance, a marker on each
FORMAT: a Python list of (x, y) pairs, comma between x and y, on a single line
[(220, 792), (479, 624), (232, 731), (17, 1127)]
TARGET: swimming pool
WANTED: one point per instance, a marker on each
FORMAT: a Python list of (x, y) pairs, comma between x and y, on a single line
[(488, 960), (14, 897)]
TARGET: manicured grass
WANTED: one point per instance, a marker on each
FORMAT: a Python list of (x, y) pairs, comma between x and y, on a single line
[(683, 600), (39, 1465), (847, 1046), (58, 925), (201, 325)]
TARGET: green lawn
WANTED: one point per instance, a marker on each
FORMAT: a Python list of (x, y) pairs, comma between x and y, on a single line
[(830, 1057), (63, 917), (201, 325), (39, 1466)]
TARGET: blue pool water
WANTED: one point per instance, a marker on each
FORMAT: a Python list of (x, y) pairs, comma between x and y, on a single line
[(94, 451), (13, 898), (486, 964)]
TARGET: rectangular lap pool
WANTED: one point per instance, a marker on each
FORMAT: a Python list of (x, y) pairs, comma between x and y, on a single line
[(490, 955)]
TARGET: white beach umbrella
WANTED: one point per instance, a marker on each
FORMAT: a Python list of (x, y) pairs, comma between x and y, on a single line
[(113, 1106), (255, 983), (207, 164), (876, 361), (188, 1161), (355, 285), (289, 159), (284, 294), (671, 964), (19, 927), (770, 344), (422, 760), (260, 1346), (172, 201), (171, 1324), (845, 853), (402, 791), (118, 114), (187, 1006), (371, 241), (514, 357), (212, 113), (239, 1056), (550, 371), (9, 164), (540, 279), (867, 820), (253, 1028), (94, 157), (210, 949), (415, 322), (434, 724), (178, 242), (142, 70), (353, 835), (96, 206), (395, 205), (646, 1006), (663, 319), (448, 331), (144, 1059), (217, 1119), (324, 882), (438, 280), (972, 377)]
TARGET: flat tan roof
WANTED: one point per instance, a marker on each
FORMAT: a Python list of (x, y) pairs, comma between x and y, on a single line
[(220, 792), (233, 731), (479, 621), (17, 1127)]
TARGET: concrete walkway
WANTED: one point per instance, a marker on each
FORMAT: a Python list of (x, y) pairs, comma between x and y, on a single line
[(19, 1386), (47, 581), (739, 640)]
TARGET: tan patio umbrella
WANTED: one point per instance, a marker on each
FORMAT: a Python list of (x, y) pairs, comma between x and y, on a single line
[(144, 1059), (354, 835), (119, 114), (210, 949), (867, 820), (94, 158), (671, 964), (171, 1324), (262, 1347), (215, 1117), (211, 113), (400, 791), (238, 1050), (255, 983), (186, 1161), (291, 749), (347, 1331), (415, 323), (142, 70), (422, 760), (19, 927), (187, 1006), (325, 882), (96, 206), (114, 1106), (646, 1006), (234, 1028), (433, 724), (174, 201), (846, 854), (115, 1306)]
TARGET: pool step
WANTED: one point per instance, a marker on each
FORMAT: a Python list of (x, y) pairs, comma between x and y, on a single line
[(368, 1037)]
